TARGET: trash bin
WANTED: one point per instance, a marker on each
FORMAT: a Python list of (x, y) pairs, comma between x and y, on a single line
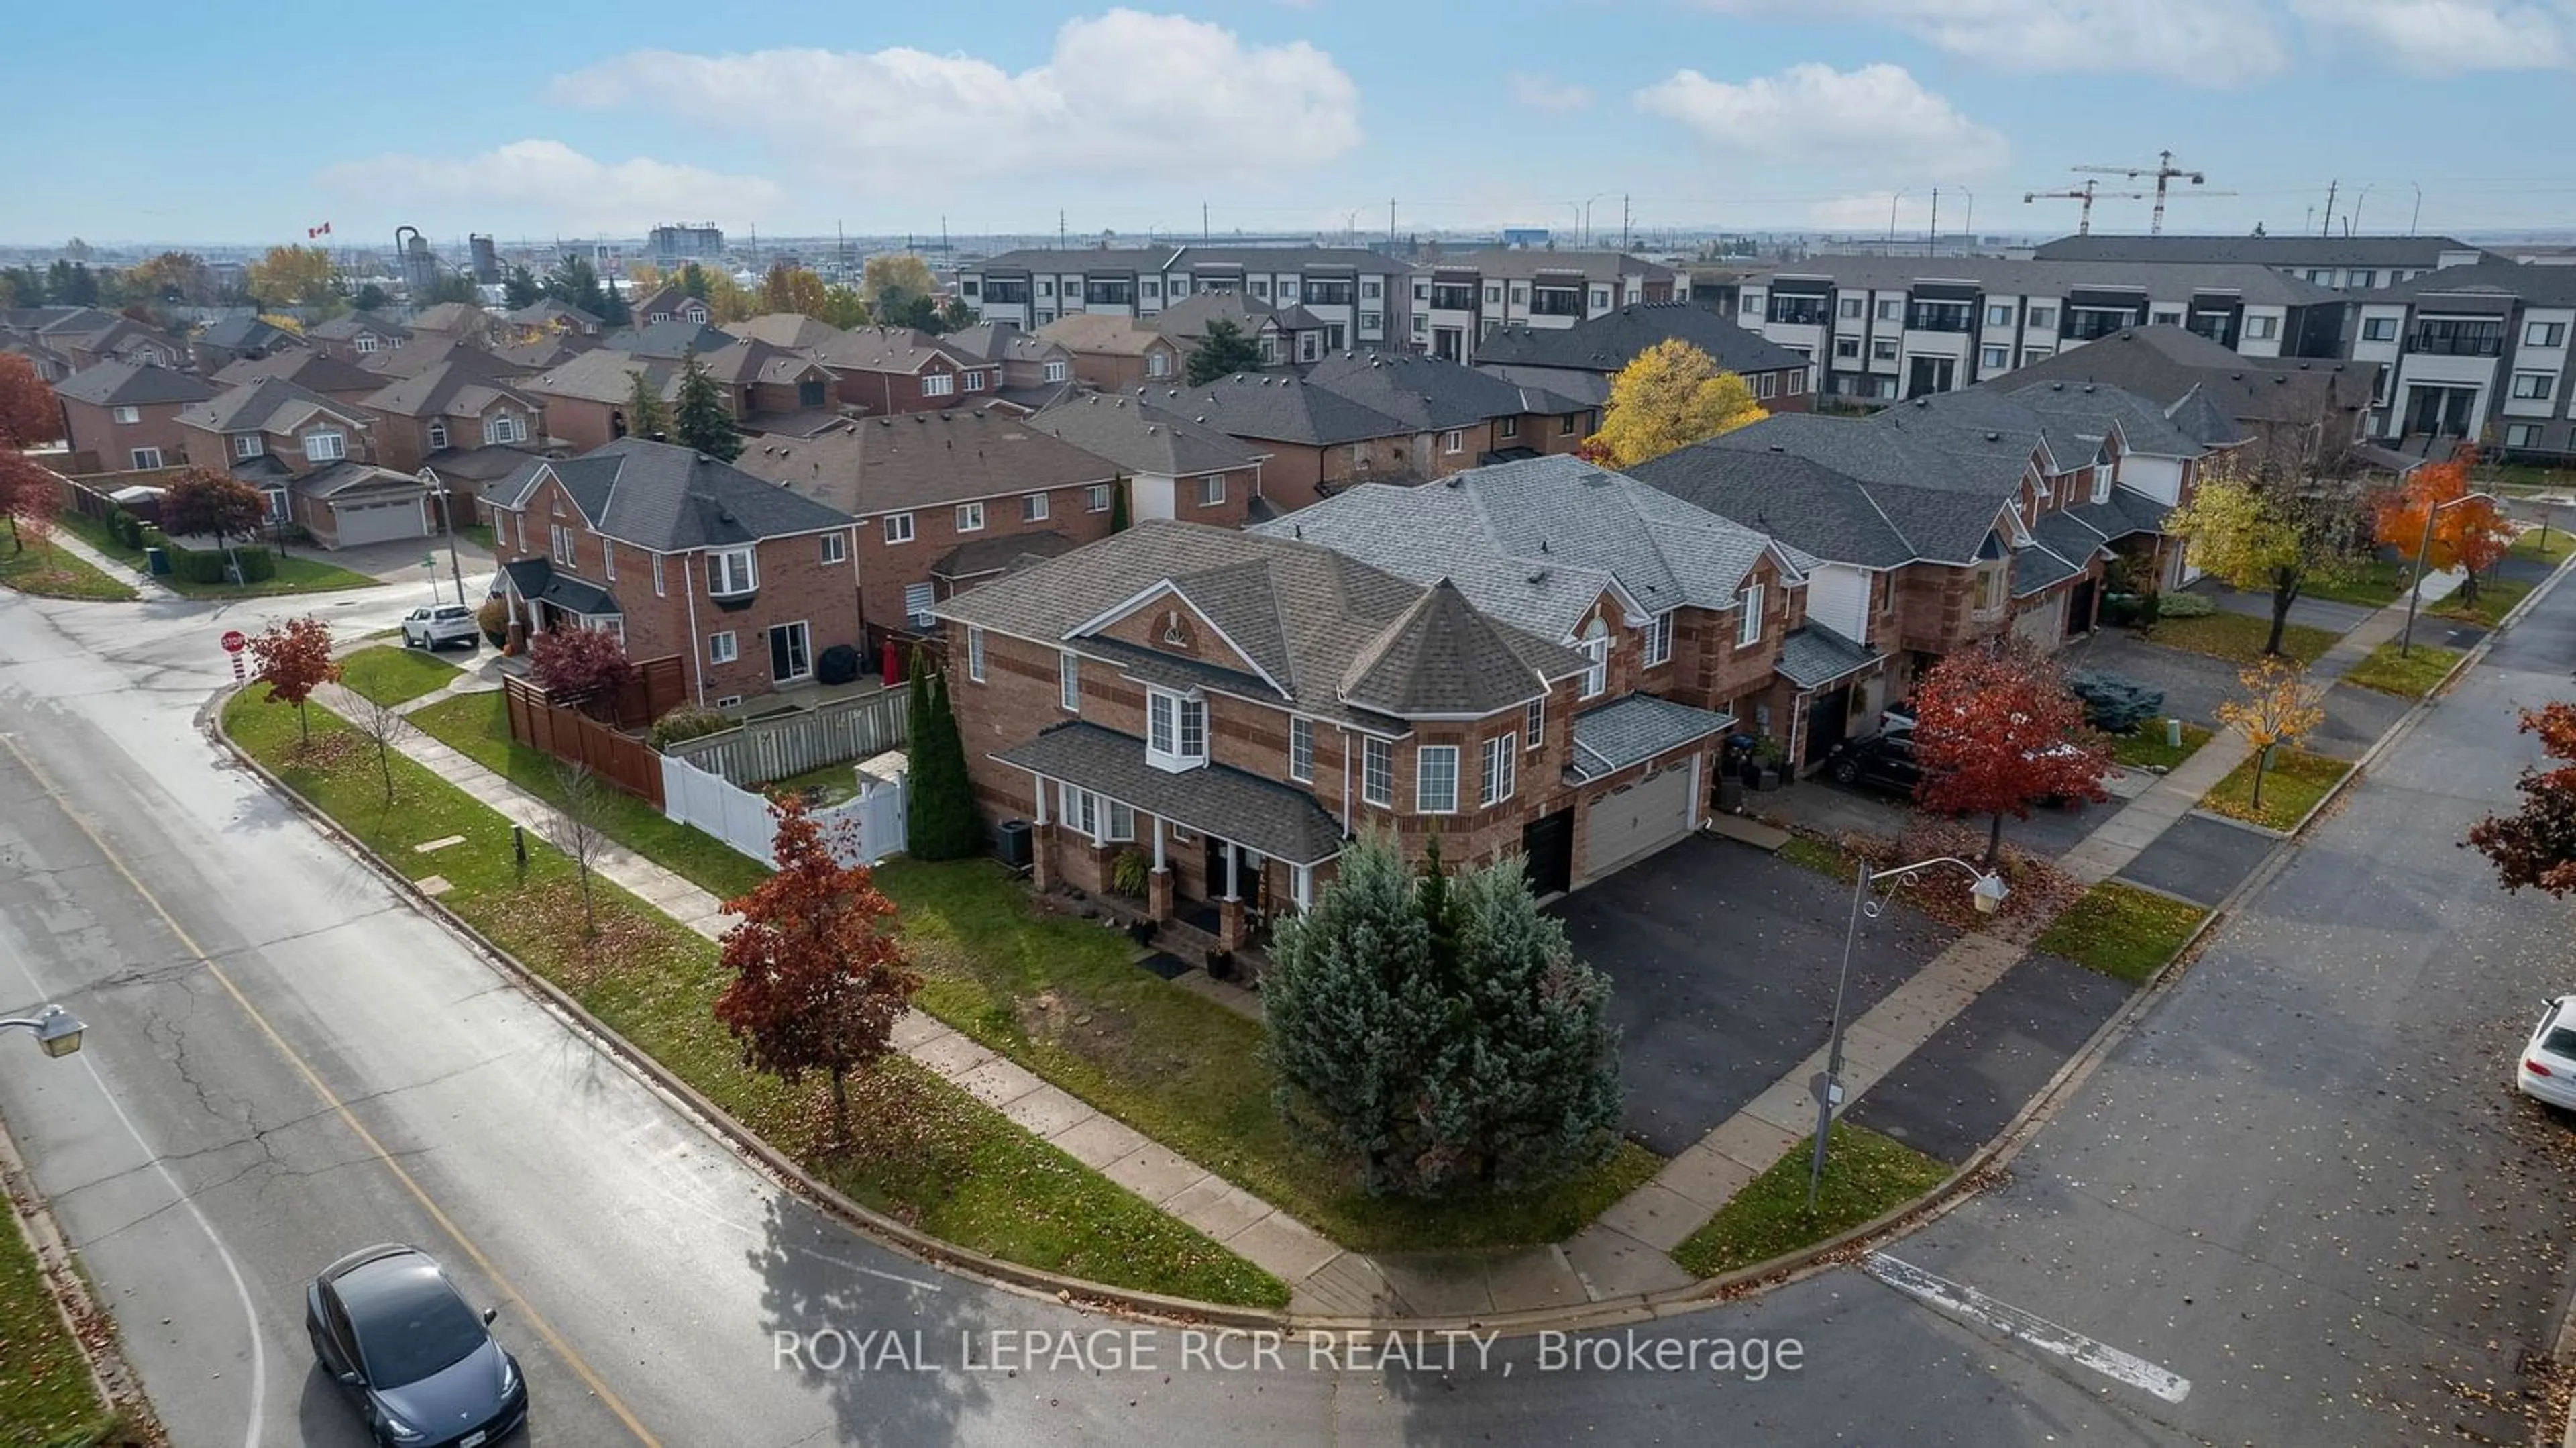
[(157, 559), (1016, 845)]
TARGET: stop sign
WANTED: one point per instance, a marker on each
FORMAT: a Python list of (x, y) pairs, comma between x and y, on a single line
[(235, 641)]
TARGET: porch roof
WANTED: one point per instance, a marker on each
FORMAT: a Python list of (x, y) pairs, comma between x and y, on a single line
[(1813, 656), (1261, 815), (535, 580), (1636, 729)]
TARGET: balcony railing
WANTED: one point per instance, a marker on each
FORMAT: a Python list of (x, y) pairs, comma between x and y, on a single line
[(1549, 302), (2449, 342), (1799, 311), (1934, 318), (1453, 299)]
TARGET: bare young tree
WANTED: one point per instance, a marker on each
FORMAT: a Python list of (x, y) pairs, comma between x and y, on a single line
[(383, 726), (578, 827)]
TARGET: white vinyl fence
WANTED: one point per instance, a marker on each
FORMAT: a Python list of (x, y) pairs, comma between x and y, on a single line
[(863, 829), (786, 745)]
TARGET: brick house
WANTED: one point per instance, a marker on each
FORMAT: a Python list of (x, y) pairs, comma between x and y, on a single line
[(1286, 336), (1315, 441), (449, 406), (315, 460), (1460, 417), (585, 399), (310, 368), (1579, 361), (546, 317), (943, 500), (1114, 352), (234, 338), (119, 416), (456, 321), (358, 335), (744, 581), (1174, 467), (1035, 371), (770, 388), (884, 370), (65, 340), (671, 303), (1233, 707)]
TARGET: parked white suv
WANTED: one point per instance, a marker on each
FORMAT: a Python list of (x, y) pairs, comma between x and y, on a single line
[(2547, 1071), (436, 628)]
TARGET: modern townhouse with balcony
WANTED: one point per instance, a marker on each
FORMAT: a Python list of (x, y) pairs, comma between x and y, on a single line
[(1461, 298), (1884, 329), (314, 459), (2345, 263), (2476, 353), (1356, 295), (744, 581), (1578, 362)]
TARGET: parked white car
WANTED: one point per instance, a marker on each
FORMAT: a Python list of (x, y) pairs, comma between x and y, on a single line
[(436, 628), (2547, 1071)]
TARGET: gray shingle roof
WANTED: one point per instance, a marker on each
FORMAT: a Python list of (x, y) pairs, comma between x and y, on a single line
[(2548, 286), (2035, 568), (1141, 439), (1269, 819), (2202, 420), (1429, 393), (1804, 504), (2168, 282), (606, 375), (123, 384), (2320, 251), (671, 340), (1813, 656), (669, 499), (536, 579), (1636, 729), (357, 324), (352, 477), (985, 556), (1276, 407), (2164, 364), (270, 404), (240, 334), (1525, 262), (923, 459), (305, 367), (1187, 320), (1608, 342), (1441, 657), (447, 390)]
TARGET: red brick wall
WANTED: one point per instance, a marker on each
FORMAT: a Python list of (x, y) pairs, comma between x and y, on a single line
[(886, 568), (99, 443), (880, 393), (1934, 605), (578, 422)]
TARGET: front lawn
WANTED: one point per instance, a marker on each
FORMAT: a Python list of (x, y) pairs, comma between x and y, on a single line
[(47, 1396), (2291, 787), (2496, 598), (2378, 582), (2147, 749), (1816, 855), (925, 1151), (2122, 931), (2238, 637), (395, 675), (60, 573), (1866, 1176), (823, 784), (296, 572), (2409, 676), (2547, 545)]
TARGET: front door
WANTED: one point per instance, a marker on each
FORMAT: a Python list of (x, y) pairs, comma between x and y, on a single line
[(1929, 374), (1217, 851), (791, 652), (1828, 723), (1547, 845)]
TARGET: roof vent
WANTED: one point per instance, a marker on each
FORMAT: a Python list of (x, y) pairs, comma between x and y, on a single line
[(1994, 437), (1539, 577), (2057, 387), (1297, 530), (1775, 447), (1923, 402), (702, 457)]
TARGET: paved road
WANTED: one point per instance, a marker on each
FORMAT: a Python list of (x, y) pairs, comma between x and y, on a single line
[(197, 1158)]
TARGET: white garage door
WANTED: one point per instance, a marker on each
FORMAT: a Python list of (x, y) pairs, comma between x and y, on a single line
[(379, 522), (1638, 820), (2044, 625)]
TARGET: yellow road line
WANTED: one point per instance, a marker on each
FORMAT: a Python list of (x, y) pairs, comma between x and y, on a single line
[(554, 1340)]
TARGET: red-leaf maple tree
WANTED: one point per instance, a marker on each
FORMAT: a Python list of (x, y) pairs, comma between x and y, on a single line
[(2472, 536), (29, 496), (2536, 844), (1996, 732), (28, 412), (294, 659), (215, 504), (579, 665), (818, 975)]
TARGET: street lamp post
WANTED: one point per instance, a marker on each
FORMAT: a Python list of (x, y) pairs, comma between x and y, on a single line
[(1891, 221), (2423, 554), (57, 1030), (1988, 894)]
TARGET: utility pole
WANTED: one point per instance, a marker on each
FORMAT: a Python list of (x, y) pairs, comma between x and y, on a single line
[(2331, 186), (1932, 238), (1390, 221), (1203, 221), (1623, 221), (1059, 228)]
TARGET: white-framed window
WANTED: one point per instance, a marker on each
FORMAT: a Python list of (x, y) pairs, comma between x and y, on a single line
[(917, 599), (129, 415), (974, 380), (2260, 329), (1537, 722), (1377, 772), (975, 654), (1990, 587), (937, 384), (1421, 324), (1175, 730), (1883, 349), (503, 427), (1068, 680), (437, 435), (898, 527), (251, 445), (1453, 441), (1850, 308), (2522, 434), (1596, 647), (723, 648), (1301, 749), (325, 445), (1058, 371), (1748, 617), (970, 517), (1999, 315), (1659, 639), (1368, 290), (1046, 287), (1890, 310), (2037, 354), (1033, 507), (1095, 499), (368, 342), (1157, 365), (1509, 427), (1372, 322), (146, 458), (2101, 482), (2364, 280), (1435, 779), (608, 561), (2043, 317), (1493, 294), (836, 548), (1261, 288), (2379, 329), (1096, 815), (1212, 490), (1994, 357), (2534, 384), (657, 575), (1501, 770), (731, 572), (563, 544), (1600, 298), (2544, 334)]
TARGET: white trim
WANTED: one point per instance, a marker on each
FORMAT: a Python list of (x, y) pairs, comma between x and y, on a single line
[(1422, 754), (975, 654), (1159, 589), (1068, 681)]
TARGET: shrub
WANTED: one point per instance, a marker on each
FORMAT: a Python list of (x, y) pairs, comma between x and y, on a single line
[(686, 721), (494, 619), (2185, 605), (210, 566), (1129, 872), (124, 527)]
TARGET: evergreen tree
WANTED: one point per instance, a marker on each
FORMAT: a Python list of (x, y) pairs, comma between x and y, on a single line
[(693, 280), (618, 314), (520, 288), (1118, 504), (646, 416), (700, 420), (1223, 352), (940, 819)]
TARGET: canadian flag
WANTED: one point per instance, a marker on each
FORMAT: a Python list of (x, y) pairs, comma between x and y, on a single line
[(311, 232)]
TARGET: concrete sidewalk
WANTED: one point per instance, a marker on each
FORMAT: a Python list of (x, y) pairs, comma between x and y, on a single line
[(141, 579)]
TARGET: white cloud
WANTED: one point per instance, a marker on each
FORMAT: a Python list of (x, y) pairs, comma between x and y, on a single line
[(541, 182), (1120, 91), (2198, 42), (1875, 121), (1870, 211), (2448, 37), (1540, 93)]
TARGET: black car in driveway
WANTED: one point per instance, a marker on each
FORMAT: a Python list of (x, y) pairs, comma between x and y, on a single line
[(420, 1365), (1881, 761)]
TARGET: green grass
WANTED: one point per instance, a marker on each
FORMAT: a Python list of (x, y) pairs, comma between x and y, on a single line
[(2147, 749), (478, 727), (2122, 931), (925, 1151), (1818, 856), (2239, 637), (60, 573), (2291, 787), (2378, 582), (2529, 545), (2527, 478), (478, 534), (392, 675), (836, 782), (1064, 998), (1866, 1176), (296, 573), (2408, 676), (46, 1395), (2496, 598)]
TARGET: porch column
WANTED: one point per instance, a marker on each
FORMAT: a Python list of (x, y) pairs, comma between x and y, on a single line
[(1158, 885), (1158, 842), (1232, 854), (1301, 886), (1042, 844)]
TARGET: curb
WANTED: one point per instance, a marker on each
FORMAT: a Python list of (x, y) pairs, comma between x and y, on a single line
[(119, 1386)]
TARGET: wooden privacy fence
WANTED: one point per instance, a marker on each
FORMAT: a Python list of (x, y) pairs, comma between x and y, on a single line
[(860, 830), (570, 735), (783, 746)]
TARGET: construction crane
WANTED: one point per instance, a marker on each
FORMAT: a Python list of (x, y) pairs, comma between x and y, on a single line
[(2086, 194), (2165, 172)]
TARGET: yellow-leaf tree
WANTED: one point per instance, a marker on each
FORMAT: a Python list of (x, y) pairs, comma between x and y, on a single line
[(2271, 535), (293, 276), (793, 289), (894, 272), (1669, 396), (2281, 706)]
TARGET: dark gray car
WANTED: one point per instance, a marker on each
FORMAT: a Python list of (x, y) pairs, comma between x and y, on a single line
[(420, 1365)]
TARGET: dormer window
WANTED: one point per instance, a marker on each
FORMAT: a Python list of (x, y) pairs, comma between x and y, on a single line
[(503, 427), (1175, 731), (2101, 482), (437, 436)]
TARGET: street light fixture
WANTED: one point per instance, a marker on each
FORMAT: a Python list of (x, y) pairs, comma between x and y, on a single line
[(2423, 552), (1891, 221), (57, 1030), (1987, 894)]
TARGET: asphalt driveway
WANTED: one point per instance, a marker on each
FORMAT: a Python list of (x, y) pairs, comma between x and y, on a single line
[(2194, 684), (1721, 960)]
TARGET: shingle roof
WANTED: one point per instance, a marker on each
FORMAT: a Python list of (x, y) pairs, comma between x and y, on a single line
[(1002, 342), (447, 390), (438, 350), (1428, 393), (2175, 281), (886, 349), (2318, 251), (986, 556), (479, 464), (546, 310), (1812, 656), (668, 499), (2036, 568), (1276, 407), (1075, 259), (742, 363), (536, 579), (1612, 340), (459, 318), (355, 324), (786, 329), (2548, 286), (923, 460), (551, 350), (349, 477), (123, 384), (269, 405), (606, 375), (1938, 495), (305, 367), (1188, 318), (1142, 439), (1524, 262), (671, 340), (1104, 333), (1635, 729), (240, 334), (1803, 503), (2202, 420), (1534, 543), (1440, 658), (2164, 364), (1270, 819)]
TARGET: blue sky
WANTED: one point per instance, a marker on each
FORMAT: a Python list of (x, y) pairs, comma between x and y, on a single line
[(180, 121)]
